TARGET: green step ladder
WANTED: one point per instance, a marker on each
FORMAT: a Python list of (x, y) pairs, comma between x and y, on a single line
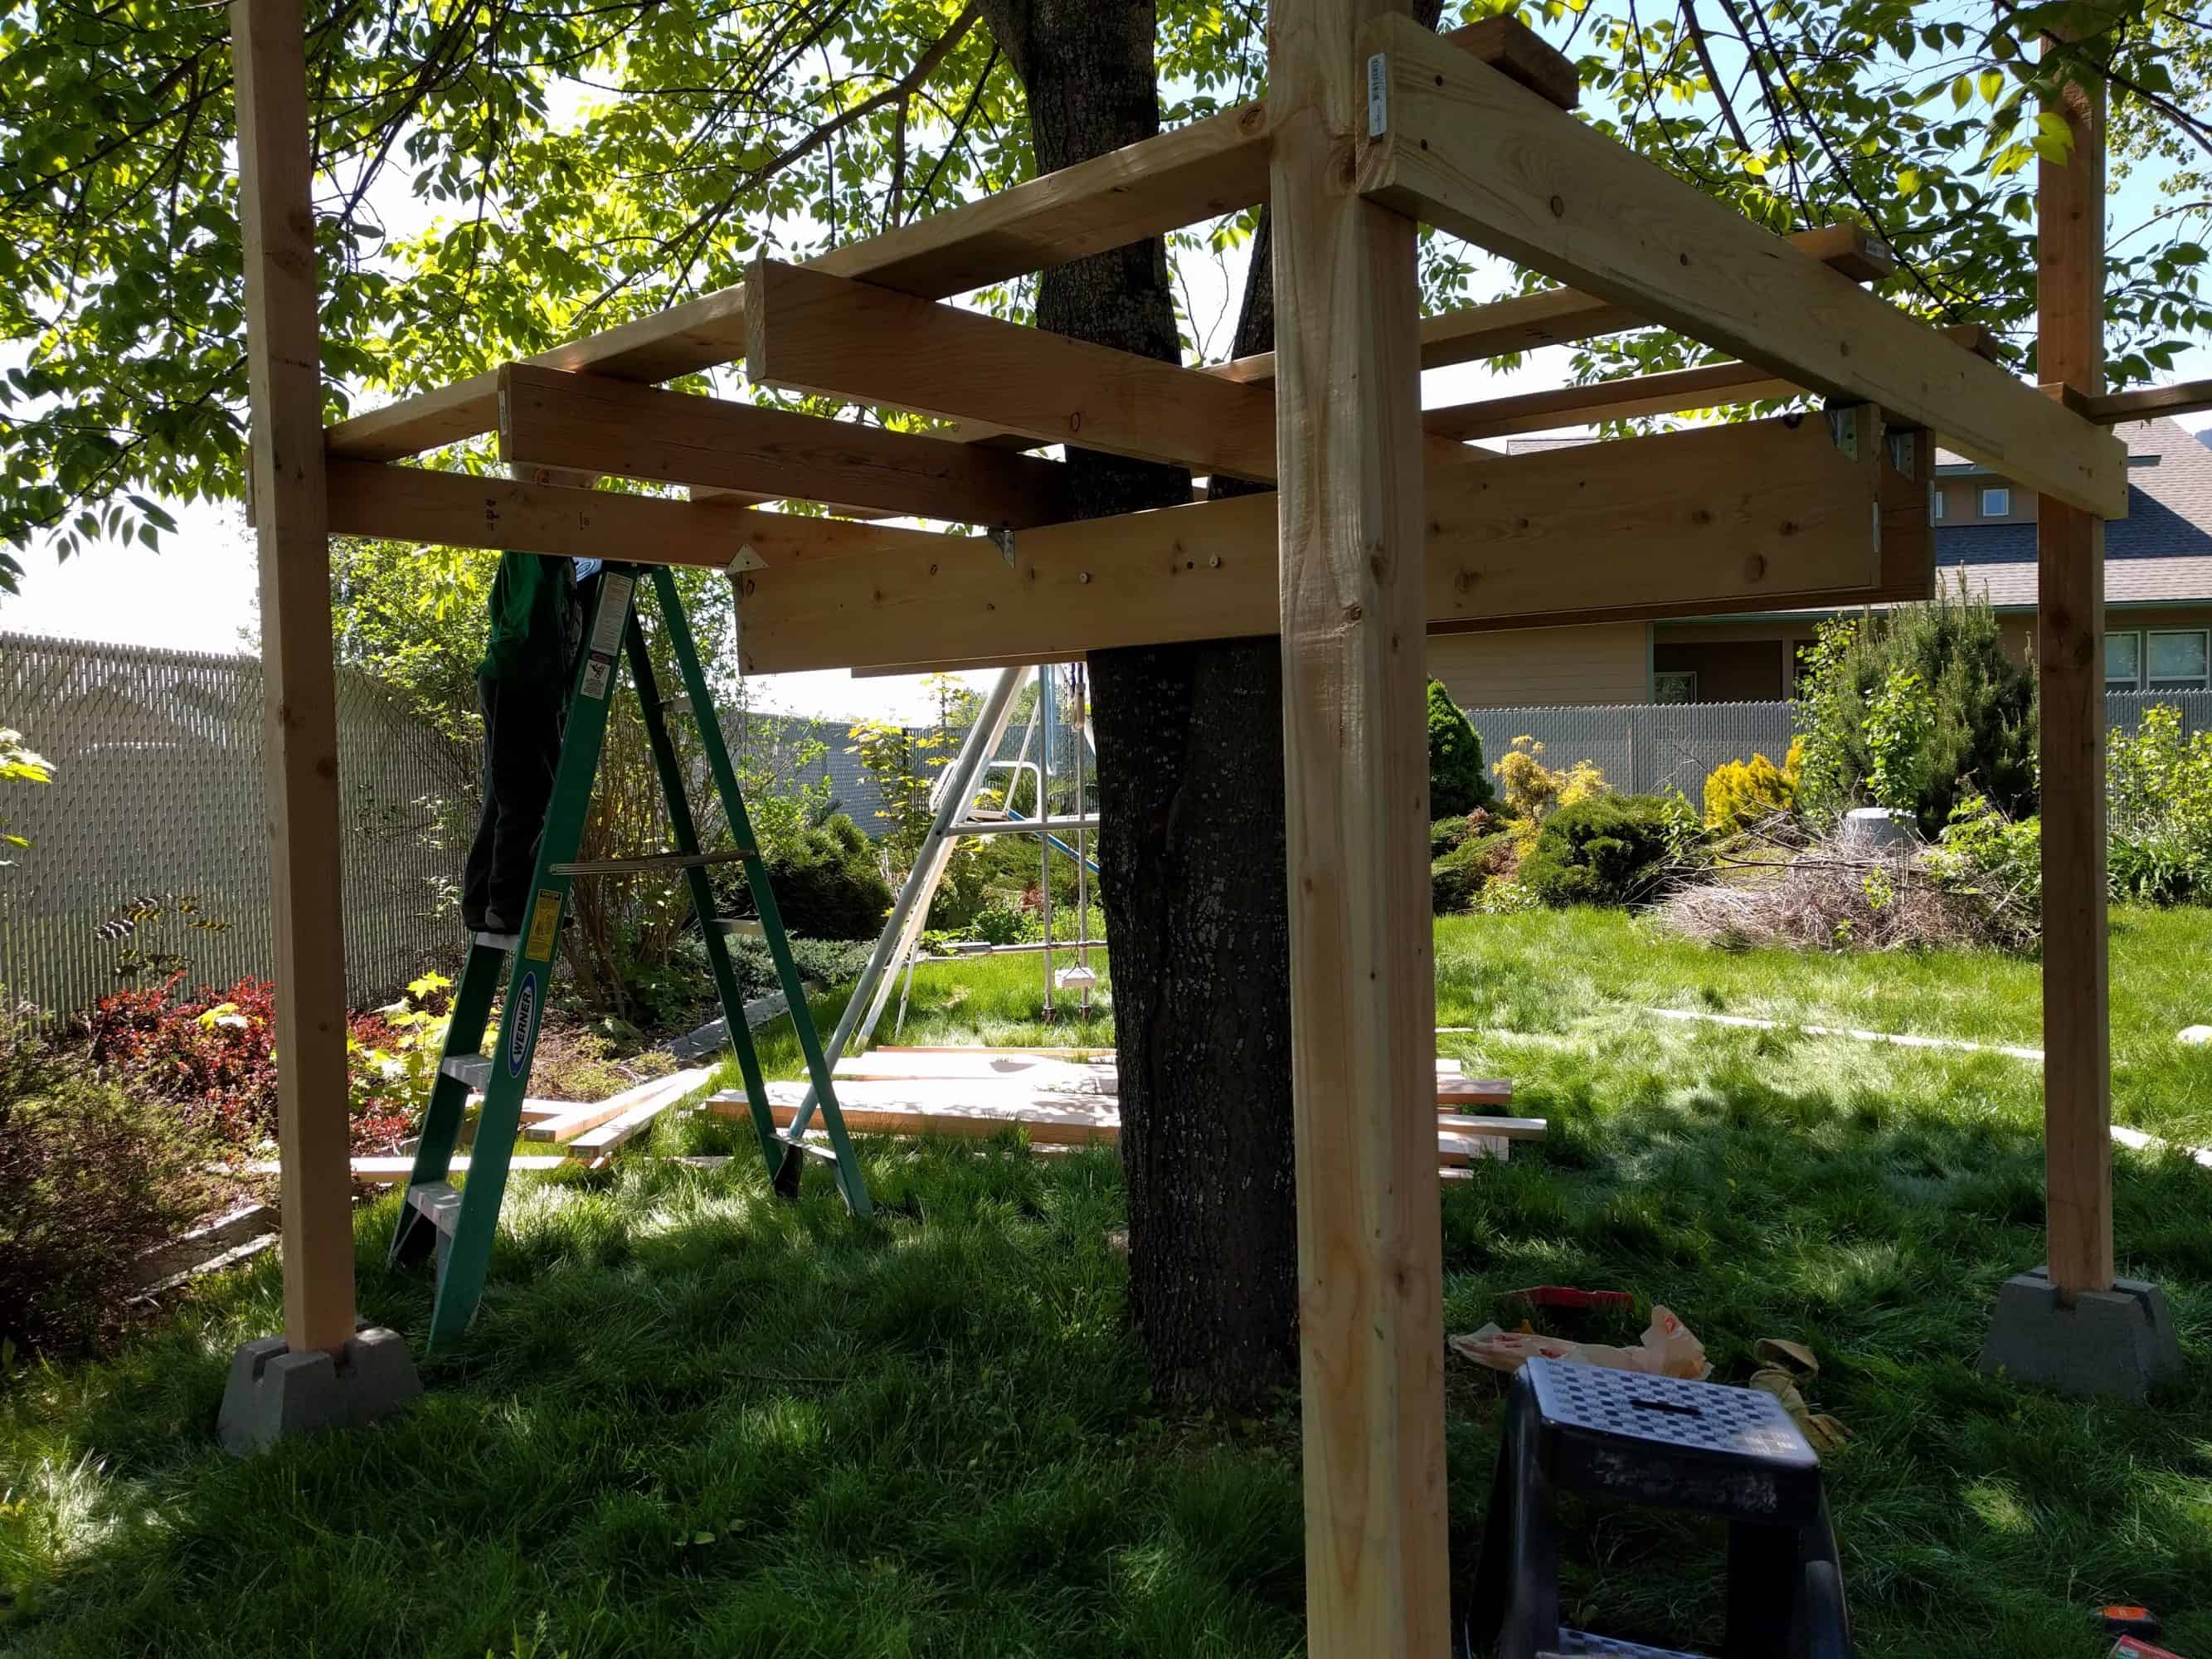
[(458, 1223)]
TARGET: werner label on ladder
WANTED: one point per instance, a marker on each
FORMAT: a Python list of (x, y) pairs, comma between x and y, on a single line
[(459, 1223)]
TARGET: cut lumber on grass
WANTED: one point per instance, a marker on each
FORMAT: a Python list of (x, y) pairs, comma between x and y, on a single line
[(1730, 517), (377, 1167), (982, 1110), (1468, 150), (1086, 1072), (645, 1103), (579, 1117), (549, 417), (455, 509)]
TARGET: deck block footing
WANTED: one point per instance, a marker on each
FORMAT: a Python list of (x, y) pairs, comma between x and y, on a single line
[(2118, 1342), (274, 1394)]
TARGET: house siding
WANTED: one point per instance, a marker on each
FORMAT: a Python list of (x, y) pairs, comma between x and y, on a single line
[(1607, 662)]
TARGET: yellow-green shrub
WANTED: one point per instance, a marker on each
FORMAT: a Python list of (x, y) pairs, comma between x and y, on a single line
[(1740, 793), (1532, 791)]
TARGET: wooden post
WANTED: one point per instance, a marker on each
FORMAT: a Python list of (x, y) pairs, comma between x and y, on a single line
[(285, 355), (2070, 659), (1362, 993)]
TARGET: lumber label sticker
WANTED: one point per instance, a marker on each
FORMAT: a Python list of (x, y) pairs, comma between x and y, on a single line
[(544, 922), (523, 1025), (1378, 95)]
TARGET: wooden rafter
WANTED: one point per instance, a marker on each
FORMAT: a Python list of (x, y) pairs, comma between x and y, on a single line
[(2148, 403), (455, 509), (816, 333), (1561, 316), (550, 417), (1467, 149), (1746, 517)]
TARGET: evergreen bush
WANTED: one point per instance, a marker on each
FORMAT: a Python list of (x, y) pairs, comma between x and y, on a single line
[(1458, 781), (1606, 849)]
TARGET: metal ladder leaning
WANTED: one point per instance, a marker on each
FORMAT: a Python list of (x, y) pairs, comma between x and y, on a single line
[(459, 1223)]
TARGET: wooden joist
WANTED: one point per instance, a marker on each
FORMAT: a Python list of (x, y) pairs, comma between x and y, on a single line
[(1468, 150), (1561, 316), (813, 331), (454, 509), (1732, 518), (550, 417), (2148, 403)]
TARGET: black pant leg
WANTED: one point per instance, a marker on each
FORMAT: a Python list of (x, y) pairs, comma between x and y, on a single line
[(523, 759), (476, 872)]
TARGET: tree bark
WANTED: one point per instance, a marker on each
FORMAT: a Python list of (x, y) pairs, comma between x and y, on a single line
[(1191, 847)]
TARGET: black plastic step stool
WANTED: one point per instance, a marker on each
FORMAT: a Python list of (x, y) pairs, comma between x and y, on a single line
[(1730, 1453)]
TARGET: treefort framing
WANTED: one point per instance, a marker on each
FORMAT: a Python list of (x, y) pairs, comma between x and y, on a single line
[(1383, 526)]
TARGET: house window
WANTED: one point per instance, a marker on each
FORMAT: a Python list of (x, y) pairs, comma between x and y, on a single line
[(2122, 661), (2177, 659), (1935, 503), (1674, 685), (1996, 503)]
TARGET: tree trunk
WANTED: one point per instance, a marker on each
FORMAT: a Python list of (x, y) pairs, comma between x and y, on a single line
[(1191, 848)]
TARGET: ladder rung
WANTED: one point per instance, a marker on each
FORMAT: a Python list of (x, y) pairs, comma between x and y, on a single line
[(652, 861), (812, 1148), (439, 1200), (680, 704), (749, 927), (500, 942), (475, 1070)]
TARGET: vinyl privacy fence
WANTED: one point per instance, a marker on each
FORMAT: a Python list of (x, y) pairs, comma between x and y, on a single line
[(1645, 748), (158, 803)]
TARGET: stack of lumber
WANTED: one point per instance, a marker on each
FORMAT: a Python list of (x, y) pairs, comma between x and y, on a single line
[(1068, 1098)]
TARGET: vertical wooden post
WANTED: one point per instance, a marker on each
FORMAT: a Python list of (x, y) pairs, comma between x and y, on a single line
[(1363, 992), (291, 514), (2070, 659)]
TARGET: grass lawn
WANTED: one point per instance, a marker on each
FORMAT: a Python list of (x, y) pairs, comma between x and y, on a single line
[(691, 1420)]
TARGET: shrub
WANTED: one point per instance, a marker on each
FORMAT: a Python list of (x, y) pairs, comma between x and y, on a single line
[(827, 884), (1995, 865), (1457, 782), (90, 1178), (1463, 871), (1739, 794), (1533, 791), (2158, 797), (1605, 850), (1918, 708)]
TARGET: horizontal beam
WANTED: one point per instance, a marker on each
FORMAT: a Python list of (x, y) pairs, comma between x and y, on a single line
[(549, 417), (2148, 403), (1561, 316), (1708, 386), (1736, 518), (816, 333), (1468, 150), (454, 509)]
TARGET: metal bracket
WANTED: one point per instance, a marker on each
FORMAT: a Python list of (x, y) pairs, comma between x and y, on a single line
[(746, 560), (1844, 428), (1904, 451), (1003, 539)]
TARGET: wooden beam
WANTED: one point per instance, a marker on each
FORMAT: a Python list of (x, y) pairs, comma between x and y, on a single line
[(1467, 149), (1708, 386), (816, 333), (2148, 403), (1724, 518), (586, 421), (2069, 660), (285, 382), (1561, 316), (454, 509)]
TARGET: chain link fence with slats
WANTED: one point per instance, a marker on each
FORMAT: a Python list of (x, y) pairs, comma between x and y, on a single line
[(1643, 748), (158, 805)]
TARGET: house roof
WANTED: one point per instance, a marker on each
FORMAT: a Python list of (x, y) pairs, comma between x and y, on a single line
[(2169, 507)]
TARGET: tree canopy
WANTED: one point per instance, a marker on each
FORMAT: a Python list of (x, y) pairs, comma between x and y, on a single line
[(499, 177)]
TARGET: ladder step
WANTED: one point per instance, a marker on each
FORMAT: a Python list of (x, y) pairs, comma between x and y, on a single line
[(745, 927), (503, 942), (652, 861), (475, 1070), (440, 1201), (820, 1149)]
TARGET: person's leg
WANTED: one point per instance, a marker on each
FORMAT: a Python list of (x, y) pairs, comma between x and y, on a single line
[(529, 752), (475, 870)]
